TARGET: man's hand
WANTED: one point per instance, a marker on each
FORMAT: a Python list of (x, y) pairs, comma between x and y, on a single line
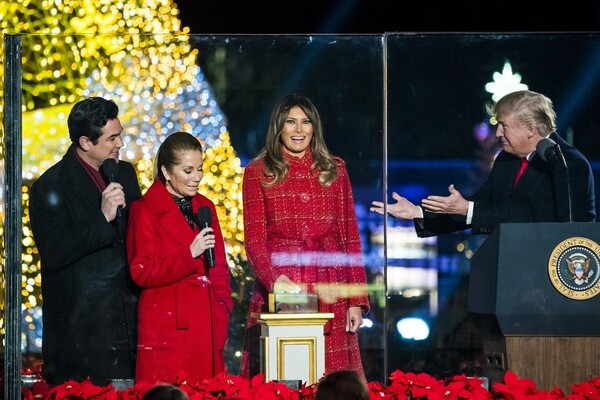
[(453, 204), (113, 197), (403, 208)]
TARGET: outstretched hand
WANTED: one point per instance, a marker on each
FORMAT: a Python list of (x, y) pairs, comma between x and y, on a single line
[(403, 208), (455, 203)]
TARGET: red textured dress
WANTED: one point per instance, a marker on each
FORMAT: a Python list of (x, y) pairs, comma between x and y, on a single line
[(309, 233)]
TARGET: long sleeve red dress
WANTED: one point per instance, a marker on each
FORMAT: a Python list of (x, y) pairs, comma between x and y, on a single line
[(184, 307), (308, 232)]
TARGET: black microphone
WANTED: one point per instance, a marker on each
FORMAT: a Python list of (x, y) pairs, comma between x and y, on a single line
[(550, 151), (110, 168), (204, 219)]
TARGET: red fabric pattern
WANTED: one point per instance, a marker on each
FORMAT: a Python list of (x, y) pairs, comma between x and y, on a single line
[(309, 233)]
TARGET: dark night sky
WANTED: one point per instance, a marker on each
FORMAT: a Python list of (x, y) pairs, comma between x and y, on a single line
[(379, 16), (227, 17)]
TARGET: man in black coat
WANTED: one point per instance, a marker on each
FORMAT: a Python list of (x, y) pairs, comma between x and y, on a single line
[(78, 217), (539, 194)]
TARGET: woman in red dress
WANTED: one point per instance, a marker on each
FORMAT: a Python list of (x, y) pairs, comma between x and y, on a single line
[(301, 233), (184, 307)]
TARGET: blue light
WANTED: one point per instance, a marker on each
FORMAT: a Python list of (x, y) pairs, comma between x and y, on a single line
[(413, 328)]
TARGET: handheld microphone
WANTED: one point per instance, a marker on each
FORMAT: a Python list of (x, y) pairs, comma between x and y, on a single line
[(110, 168), (204, 220), (550, 151)]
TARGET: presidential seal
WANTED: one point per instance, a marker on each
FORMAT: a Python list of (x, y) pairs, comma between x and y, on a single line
[(573, 268)]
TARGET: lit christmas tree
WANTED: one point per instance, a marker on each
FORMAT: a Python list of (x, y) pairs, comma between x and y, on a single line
[(136, 53)]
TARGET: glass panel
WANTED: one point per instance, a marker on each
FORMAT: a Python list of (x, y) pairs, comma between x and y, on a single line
[(342, 75), (221, 89), (439, 134)]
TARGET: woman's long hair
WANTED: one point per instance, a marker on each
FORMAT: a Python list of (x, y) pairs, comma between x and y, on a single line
[(276, 166)]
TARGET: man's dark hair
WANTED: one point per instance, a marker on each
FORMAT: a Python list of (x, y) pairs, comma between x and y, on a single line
[(345, 385), (89, 116)]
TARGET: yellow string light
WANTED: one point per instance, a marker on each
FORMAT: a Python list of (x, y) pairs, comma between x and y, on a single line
[(134, 52)]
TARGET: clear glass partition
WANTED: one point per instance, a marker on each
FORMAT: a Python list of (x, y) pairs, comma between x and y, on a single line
[(343, 76), (222, 89), (438, 133), (411, 119)]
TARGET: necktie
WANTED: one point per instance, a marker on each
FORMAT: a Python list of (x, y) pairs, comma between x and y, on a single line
[(524, 163)]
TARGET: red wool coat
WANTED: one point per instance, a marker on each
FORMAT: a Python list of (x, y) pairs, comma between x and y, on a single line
[(309, 233), (184, 307)]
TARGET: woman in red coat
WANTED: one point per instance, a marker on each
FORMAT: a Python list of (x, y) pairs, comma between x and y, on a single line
[(301, 232), (184, 307)]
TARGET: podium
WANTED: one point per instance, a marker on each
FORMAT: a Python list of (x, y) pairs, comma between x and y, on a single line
[(535, 293), (292, 346)]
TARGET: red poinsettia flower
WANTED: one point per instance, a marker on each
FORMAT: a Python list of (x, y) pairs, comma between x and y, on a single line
[(227, 386), (192, 389), (378, 392), (275, 391), (257, 380), (463, 387), (26, 394), (40, 389), (416, 386), (457, 389), (557, 394), (82, 390), (576, 397), (403, 386), (589, 390), (426, 386), (401, 383), (308, 392), (514, 388), (517, 389)]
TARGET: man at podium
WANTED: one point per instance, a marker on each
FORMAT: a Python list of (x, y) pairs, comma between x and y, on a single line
[(533, 179)]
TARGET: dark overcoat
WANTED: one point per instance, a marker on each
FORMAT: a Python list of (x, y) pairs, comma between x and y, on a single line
[(89, 300)]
